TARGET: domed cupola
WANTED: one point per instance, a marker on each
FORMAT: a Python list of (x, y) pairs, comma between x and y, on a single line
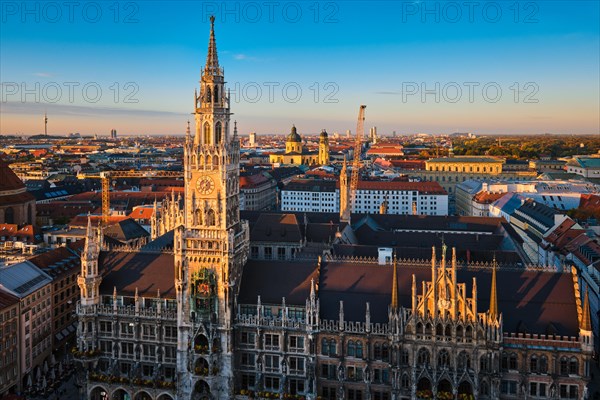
[(293, 142), (293, 136)]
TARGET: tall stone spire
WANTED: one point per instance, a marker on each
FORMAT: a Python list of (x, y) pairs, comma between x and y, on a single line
[(212, 60), (395, 285), (89, 236), (586, 322), (493, 296)]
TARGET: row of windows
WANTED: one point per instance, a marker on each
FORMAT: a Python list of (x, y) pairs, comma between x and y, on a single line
[(147, 331), (539, 364), (8, 315), (470, 168)]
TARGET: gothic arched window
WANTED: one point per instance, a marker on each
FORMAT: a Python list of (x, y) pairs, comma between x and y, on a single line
[(543, 365), (464, 361), (484, 389), (404, 357), (216, 94), (210, 218), (377, 351), (385, 352), (206, 133), (359, 349), (351, 349), (485, 363), (332, 349), (324, 347), (533, 364), (439, 330), (208, 95), (423, 357), (405, 383), (218, 133), (443, 359), (573, 366)]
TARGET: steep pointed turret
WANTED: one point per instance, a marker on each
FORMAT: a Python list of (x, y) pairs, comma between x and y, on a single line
[(89, 280), (212, 59), (586, 335), (586, 320), (395, 285), (344, 194), (493, 296)]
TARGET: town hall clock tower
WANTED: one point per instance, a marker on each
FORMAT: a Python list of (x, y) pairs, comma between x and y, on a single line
[(211, 247)]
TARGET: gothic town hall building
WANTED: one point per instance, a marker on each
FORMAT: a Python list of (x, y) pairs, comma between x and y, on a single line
[(191, 315)]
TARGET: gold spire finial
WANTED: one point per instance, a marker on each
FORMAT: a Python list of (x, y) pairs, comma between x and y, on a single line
[(493, 295), (586, 322), (395, 285)]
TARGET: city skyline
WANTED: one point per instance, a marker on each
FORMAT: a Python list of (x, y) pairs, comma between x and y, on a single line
[(419, 66)]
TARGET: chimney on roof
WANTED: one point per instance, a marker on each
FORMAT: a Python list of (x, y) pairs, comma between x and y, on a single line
[(385, 255)]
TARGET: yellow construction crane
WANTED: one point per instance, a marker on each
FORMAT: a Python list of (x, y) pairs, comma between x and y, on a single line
[(360, 133), (106, 176)]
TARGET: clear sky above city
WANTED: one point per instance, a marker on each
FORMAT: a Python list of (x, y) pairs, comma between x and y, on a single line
[(498, 67)]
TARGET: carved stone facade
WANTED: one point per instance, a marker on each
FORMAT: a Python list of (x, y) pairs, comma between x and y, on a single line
[(167, 216), (442, 347)]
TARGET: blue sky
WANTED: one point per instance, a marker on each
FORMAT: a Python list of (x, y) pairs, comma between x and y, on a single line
[(341, 54)]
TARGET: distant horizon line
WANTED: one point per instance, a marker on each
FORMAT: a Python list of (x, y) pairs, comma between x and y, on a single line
[(342, 135)]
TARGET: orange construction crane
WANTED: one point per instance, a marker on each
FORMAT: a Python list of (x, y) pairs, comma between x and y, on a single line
[(106, 176), (360, 133)]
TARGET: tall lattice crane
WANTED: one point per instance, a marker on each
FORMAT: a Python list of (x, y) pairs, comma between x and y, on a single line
[(107, 175), (360, 133)]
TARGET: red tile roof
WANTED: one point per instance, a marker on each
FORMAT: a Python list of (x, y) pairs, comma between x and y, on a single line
[(8, 179), (252, 181), (25, 233), (142, 213), (487, 198), (391, 150)]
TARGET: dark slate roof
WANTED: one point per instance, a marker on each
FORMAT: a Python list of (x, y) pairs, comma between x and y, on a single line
[(273, 280), (55, 192), (126, 230), (538, 211), (430, 222), (146, 271), (276, 228), (311, 185), (321, 232), (463, 254), (161, 243), (530, 299)]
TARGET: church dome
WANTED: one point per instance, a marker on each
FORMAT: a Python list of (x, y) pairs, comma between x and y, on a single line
[(293, 136)]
